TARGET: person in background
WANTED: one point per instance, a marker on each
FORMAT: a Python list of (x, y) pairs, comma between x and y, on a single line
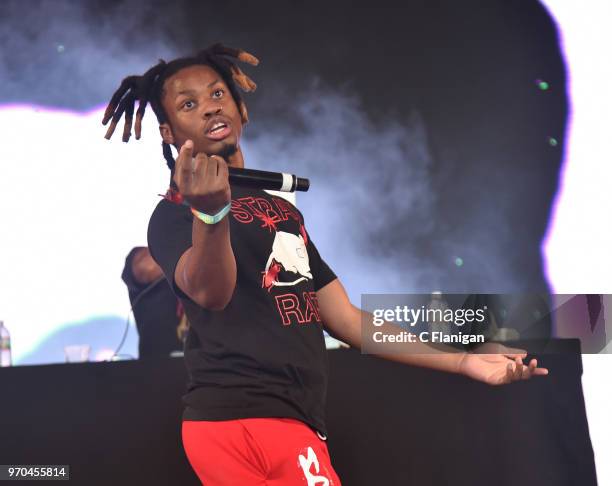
[(160, 319)]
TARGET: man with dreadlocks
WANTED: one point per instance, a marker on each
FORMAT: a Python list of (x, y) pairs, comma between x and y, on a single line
[(254, 288)]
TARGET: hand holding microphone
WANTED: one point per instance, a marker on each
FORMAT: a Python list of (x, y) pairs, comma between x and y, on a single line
[(203, 181)]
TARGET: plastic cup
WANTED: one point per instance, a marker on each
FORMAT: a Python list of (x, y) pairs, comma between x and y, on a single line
[(77, 353)]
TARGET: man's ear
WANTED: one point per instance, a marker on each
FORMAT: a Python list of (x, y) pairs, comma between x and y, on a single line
[(166, 133)]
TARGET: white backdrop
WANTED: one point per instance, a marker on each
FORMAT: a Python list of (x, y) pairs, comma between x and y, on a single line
[(579, 246)]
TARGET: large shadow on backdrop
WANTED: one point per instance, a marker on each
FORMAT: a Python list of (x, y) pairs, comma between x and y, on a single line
[(421, 126)]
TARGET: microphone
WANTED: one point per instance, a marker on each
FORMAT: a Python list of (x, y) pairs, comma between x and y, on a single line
[(273, 181)]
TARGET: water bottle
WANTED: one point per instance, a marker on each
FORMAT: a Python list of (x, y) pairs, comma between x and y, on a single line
[(5, 346), (438, 304)]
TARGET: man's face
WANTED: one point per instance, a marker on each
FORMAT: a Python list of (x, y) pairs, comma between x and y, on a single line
[(200, 107)]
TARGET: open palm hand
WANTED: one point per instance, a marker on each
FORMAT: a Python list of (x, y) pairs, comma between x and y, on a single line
[(497, 365)]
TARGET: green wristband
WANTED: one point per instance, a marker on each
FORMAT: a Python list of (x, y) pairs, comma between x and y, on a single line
[(214, 219)]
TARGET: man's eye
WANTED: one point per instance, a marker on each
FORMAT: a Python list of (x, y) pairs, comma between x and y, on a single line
[(218, 93), (188, 104)]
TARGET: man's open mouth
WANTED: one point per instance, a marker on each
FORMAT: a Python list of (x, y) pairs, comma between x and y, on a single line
[(218, 131)]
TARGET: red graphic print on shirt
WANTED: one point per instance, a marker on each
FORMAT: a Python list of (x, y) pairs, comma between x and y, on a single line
[(288, 263)]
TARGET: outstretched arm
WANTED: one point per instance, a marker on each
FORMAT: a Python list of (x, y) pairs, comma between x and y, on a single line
[(503, 365)]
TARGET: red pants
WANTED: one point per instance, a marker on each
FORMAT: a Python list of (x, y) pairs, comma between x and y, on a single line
[(257, 451)]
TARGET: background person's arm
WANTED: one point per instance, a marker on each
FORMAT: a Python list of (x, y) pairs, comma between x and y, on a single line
[(144, 269)]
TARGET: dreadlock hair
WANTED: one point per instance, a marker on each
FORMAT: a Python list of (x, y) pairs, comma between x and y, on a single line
[(148, 89)]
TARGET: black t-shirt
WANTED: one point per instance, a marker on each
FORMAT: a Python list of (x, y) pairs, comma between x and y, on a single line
[(155, 312), (263, 355)]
